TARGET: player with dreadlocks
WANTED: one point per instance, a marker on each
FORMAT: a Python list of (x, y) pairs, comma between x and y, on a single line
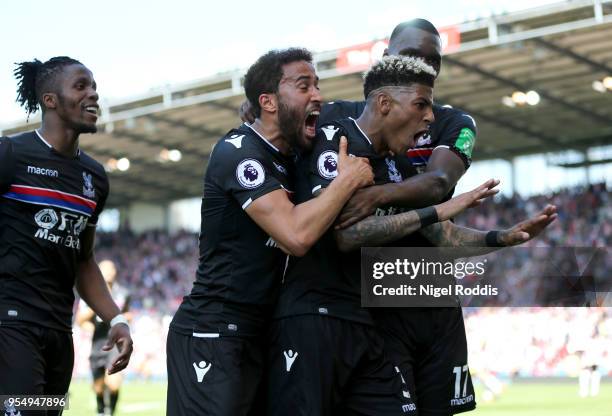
[(51, 195), (326, 356)]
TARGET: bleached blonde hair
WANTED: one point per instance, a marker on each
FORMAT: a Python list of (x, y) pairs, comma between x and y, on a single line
[(395, 71)]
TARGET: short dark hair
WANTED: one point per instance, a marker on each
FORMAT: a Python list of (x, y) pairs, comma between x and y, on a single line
[(34, 78), (265, 74), (395, 71), (422, 24)]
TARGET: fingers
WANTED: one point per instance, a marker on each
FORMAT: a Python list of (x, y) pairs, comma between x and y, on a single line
[(119, 364), (120, 336), (486, 193), (550, 219), (521, 237), (123, 359), (549, 210), (486, 190), (541, 220), (343, 148), (491, 183), (490, 192), (356, 168)]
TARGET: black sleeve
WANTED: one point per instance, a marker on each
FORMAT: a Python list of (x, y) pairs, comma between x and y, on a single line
[(459, 135), (244, 174), (337, 110), (6, 164), (324, 156)]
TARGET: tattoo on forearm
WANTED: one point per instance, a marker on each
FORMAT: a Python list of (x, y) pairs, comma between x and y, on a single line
[(447, 234), (377, 230)]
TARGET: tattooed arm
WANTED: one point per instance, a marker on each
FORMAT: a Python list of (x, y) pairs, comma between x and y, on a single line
[(377, 230), (447, 234)]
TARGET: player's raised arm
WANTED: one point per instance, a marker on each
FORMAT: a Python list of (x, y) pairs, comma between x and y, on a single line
[(448, 234), (378, 230), (297, 227), (418, 191)]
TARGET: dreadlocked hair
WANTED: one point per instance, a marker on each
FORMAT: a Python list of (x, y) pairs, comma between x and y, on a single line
[(35, 78), (397, 71)]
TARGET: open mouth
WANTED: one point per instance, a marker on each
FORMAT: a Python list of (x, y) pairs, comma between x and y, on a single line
[(419, 134), (92, 109), (310, 124)]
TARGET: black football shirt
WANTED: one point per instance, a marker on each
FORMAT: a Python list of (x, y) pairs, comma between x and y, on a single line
[(46, 201), (327, 281), (240, 265), (452, 128)]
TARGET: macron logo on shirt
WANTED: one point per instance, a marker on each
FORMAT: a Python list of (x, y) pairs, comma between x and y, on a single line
[(35, 170), (329, 131), (236, 140)]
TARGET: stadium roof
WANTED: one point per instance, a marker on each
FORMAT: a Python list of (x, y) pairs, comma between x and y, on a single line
[(558, 50)]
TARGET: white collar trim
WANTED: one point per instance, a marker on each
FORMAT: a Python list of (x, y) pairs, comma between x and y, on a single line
[(263, 138), (362, 132), (49, 144), (43, 139)]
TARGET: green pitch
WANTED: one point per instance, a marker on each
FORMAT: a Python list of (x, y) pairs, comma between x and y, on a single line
[(519, 399)]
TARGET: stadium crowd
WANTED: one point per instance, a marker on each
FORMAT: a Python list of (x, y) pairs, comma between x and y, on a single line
[(158, 270)]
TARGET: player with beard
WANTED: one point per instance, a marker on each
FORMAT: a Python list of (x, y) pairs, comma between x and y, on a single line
[(51, 196), (326, 356), (214, 350)]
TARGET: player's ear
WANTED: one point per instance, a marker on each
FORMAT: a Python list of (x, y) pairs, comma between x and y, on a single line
[(49, 100), (383, 102), (268, 102)]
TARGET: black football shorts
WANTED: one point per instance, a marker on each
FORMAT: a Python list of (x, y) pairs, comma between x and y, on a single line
[(34, 360), (320, 366), (215, 375), (430, 348)]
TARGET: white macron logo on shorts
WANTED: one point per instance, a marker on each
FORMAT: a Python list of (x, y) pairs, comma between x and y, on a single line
[(290, 357), (201, 369)]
